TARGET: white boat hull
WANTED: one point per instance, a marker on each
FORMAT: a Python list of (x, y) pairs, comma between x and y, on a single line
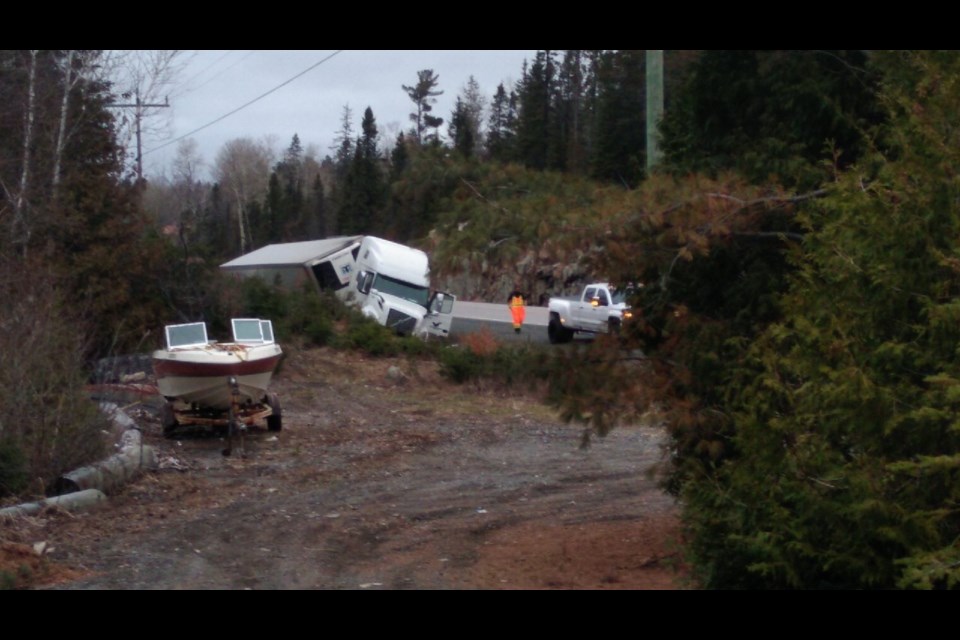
[(201, 375)]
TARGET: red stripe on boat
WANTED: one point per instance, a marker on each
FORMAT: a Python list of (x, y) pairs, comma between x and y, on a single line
[(167, 368)]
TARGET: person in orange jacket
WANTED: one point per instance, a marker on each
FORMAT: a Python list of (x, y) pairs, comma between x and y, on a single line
[(518, 309)]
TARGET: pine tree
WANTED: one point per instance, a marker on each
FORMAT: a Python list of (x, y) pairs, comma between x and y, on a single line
[(286, 212), (535, 113), (363, 193), (399, 157), (474, 106), (65, 197), (265, 223), (501, 132), (423, 94), (343, 142), (462, 131), (771, 115), (841, 469), (570, 144), (620, 136), (318, 225)]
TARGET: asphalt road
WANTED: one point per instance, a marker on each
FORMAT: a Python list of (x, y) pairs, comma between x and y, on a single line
[(469, 317)]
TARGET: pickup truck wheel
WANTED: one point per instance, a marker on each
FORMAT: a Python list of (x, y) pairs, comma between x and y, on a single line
[(558, 333), (613, 326)]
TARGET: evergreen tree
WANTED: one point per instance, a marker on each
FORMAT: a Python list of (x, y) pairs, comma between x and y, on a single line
[(363, 193), (423, 94), (343, 142), (265, 223), (462, 130), (777, 115), (399, 157), (65, 198), (286, 213), (570, 143), (840, 469), (214, 236), (474, 105), (319, 226), (535, 113), (501, 132), (620, 136)]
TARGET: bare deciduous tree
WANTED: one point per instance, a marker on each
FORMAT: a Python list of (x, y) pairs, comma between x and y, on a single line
[(143, 80), (243, 170)]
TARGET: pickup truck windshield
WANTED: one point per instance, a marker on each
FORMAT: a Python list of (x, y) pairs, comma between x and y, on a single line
[(401, 289)]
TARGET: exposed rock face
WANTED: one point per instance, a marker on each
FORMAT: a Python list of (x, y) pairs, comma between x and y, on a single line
[(533, 273)]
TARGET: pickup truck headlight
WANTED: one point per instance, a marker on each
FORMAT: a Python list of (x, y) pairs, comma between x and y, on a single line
[(627, 315)]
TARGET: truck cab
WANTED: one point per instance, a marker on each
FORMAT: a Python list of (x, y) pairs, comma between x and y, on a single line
[(392, 286)]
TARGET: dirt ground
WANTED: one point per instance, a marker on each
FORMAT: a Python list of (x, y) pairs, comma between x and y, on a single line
[(378, 480)]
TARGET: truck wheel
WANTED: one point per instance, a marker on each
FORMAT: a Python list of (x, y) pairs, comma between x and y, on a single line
[(274, 421), (557, 333), (613, 326)]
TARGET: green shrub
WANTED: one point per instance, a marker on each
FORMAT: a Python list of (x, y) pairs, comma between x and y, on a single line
[(263, 300), (415, 347), (507, 364), (522, 364), (363, 334), (461, 365), (311, 316), (13, 471)]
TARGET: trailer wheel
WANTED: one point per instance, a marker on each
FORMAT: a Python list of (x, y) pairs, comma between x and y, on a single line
[(274, 421), (168, 419), (557, 333)]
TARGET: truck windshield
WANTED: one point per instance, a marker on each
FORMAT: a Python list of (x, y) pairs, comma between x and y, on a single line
[(401, 289)]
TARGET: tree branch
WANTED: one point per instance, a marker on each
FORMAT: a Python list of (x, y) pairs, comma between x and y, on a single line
[(772, 199), (484, 198), (780, 235)]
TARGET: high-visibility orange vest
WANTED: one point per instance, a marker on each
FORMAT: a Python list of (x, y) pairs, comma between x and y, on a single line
[(517, 310)]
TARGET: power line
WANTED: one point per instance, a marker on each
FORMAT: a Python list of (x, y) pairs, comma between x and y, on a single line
[(205, 69), (244, 106), (216, 75)]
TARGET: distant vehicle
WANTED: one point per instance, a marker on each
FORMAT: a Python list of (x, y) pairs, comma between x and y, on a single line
[(600, 308), (389, 282)]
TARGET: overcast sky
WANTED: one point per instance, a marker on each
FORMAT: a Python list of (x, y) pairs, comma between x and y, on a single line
[(214, 83)]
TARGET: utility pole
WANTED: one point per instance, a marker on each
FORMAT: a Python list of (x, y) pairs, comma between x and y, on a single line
[(138, 115), (654, 107)]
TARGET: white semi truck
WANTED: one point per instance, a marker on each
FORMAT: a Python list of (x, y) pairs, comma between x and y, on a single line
[(392, 286), (389, 282)]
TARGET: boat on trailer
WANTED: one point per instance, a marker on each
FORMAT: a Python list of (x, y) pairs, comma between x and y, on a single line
[(206, 382)]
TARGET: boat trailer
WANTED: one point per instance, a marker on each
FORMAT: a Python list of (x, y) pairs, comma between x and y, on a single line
[(234, 421)]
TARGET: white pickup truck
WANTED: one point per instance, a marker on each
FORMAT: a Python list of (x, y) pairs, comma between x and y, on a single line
[(601, 308)]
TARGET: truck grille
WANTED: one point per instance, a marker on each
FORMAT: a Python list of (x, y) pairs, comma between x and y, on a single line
[(401, 322)]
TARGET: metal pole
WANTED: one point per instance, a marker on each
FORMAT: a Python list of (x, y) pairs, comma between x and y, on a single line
[(654, 107), (138, 108)]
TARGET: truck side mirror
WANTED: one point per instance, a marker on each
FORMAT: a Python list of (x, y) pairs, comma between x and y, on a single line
[(363, 282)]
